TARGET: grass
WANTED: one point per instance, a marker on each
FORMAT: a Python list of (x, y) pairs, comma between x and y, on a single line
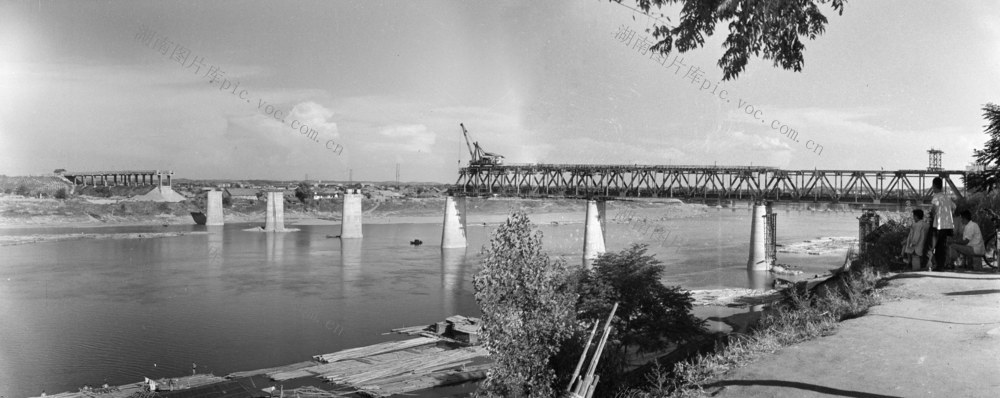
[(799, 317)]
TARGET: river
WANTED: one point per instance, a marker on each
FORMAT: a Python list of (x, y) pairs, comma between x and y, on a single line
[(115, 311)]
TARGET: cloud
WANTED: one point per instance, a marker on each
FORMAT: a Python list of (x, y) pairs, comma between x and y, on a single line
[(316, 117)]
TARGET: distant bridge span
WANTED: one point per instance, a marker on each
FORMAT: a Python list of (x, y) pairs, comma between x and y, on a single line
[(699, 182)]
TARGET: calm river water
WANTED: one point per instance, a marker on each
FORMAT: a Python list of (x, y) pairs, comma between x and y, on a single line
[(115, 311)]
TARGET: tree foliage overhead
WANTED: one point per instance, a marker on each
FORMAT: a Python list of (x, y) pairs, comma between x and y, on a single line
[(773, 29), (528, 305), (989, 156)]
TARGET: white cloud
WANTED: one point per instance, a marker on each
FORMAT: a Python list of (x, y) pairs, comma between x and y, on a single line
[(316, 117)]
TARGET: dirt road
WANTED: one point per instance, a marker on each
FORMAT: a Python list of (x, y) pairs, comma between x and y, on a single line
[(940, 339)]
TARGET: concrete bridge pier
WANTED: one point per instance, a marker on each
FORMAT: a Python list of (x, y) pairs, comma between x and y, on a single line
[(593, 232), (274, 220), (758, 236), (351, 222), (453, 233), (214, 208)]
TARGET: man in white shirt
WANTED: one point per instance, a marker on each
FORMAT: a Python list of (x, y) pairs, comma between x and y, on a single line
[(942, 224), (971, 243)]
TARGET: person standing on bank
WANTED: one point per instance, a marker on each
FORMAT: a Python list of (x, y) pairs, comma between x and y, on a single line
[(914, 246), (942, 223), (971, 243)]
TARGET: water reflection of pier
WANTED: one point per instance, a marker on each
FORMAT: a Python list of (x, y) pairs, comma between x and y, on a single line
[(452, 276), (216, 257), (274, 247), (351, 261)]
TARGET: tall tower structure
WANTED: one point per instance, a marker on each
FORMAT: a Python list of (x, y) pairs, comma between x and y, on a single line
[(934, 159)]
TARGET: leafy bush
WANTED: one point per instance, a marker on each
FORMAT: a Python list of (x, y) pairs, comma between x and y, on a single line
[(885, 242), (61, 193), (650, 315), (527, 302), (22, 190)]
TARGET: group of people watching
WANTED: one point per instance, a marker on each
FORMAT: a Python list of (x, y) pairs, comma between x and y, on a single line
[(937, 235)]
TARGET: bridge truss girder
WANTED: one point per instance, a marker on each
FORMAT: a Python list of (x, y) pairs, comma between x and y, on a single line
[(706, 182)]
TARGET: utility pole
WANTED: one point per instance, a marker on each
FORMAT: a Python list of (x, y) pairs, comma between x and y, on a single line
[(350, 175), (397, 175)]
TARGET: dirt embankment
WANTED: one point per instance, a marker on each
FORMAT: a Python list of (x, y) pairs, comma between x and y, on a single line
[(22, 212), (94, 211)]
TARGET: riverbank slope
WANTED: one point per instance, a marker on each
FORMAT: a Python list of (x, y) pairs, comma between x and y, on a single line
[(938, 335)]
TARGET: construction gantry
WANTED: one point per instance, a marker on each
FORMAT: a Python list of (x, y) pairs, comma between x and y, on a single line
[(692, 182)]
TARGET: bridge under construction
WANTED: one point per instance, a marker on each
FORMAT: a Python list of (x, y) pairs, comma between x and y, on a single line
[(609, 182)]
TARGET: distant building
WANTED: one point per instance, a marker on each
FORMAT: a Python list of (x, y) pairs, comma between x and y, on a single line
[(382, 196), (242, 193), (326, 193)]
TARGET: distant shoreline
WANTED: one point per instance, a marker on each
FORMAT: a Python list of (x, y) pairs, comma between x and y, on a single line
[(489, 212)]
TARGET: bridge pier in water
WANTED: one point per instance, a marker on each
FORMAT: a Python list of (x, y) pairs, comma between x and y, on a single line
[(274, 219), (453, 233), (214, 205), (351, 221), (759, 260), (593, 232)]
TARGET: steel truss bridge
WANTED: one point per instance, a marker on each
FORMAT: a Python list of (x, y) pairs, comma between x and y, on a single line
[(699, 182)]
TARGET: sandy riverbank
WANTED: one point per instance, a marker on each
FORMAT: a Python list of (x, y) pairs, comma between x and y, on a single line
[(49, 213), (11, 240)]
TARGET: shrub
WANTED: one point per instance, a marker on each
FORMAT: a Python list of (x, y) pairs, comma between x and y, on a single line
[(22, 190), (527, 303), (886, 242), (650, 316), (61, 193)]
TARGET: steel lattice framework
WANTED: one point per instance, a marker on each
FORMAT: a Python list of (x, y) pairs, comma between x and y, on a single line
[(707, 182)]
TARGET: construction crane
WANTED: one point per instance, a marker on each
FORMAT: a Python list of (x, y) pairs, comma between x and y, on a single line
[(479, 156)]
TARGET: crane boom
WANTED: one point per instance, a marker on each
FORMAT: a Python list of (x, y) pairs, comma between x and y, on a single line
[(479, 156), (472, 154)]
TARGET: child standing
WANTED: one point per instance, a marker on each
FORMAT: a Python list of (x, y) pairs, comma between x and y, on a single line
[(913, 247)]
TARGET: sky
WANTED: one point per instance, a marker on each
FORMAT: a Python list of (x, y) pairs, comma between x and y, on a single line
[(186, 86)]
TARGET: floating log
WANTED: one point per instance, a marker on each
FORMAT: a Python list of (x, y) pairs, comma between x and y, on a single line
[(418, 364), (276, 369), (375, 349), (186, 382), (410, 383)]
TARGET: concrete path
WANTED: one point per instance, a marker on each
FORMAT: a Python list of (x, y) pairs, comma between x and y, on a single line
[(940, 339)]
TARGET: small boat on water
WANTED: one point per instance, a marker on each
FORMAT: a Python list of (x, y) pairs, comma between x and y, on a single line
[(416, 242), (199, 217)]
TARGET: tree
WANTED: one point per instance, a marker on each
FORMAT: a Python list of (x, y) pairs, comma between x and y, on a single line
[(774, 28), (989, 156), (527, 301), (303, 192), (650, 315)]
